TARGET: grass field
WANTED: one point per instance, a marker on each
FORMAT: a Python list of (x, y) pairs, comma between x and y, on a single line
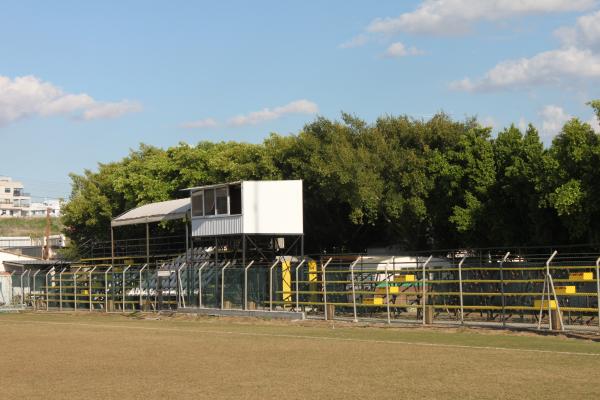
[(34, 227), (62, 356)]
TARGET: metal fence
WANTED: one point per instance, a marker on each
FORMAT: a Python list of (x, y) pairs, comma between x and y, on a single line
[(560, 291)]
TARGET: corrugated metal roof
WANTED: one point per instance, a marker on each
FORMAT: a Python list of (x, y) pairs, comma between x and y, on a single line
[(216, 185), (154, 212)]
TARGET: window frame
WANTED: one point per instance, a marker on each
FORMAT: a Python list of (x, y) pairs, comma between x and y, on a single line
[(214, 194)]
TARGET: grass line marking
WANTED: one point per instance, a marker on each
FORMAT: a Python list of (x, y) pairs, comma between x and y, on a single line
[(310, 337)]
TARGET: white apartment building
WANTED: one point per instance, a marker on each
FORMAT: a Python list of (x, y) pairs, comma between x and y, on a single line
[(14, 202)]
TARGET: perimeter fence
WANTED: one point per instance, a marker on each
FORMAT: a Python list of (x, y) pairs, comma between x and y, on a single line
[(538, 289)]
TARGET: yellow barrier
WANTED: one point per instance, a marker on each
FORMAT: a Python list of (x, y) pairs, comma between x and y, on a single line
[(565, 290), (404, 278), (544, 304), (286, 280), (581, 276), (391, 289), (373, 301)]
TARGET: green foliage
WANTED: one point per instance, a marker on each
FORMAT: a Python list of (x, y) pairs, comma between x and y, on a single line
[(418, 183)]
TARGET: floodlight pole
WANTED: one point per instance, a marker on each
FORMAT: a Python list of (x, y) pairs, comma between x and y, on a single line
[(502, 287), (246, 284), (324, 283), (460, 287), (297, 284), (423, 291), (353, 289)]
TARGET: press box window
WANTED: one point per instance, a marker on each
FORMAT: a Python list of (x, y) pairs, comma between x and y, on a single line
[(209, 202), (235, 199), (221, 201), (198, 204)]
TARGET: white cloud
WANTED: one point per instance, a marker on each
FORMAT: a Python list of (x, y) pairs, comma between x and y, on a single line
[(553, 119), (457, 16), (267, 114), (489, 122), (356, 41), (562, 66), (522, 125), (400, 50), (201, 123), (585, 33), (594, 123), (111, 110), (28, 96)]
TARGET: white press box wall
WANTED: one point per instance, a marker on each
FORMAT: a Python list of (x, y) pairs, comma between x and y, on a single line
[(268, 207)]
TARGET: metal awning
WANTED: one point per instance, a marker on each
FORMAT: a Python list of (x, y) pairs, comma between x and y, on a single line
[(154, 212), (216, 185)]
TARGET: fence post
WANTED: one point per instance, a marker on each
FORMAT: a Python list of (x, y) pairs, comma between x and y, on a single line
[(106, 288), (297, 287), (353, 288), (33, 302), (548, 285), (598, 288), (502, 287), (271, 284), (90, 287), (200, 283), (223, 284), (179, 289), (324, 283), (387, 292), (246, 284), (423, 291), (75, 289), (123, 289), (460, 287), (60, 288), (48, 287), (141, 288)]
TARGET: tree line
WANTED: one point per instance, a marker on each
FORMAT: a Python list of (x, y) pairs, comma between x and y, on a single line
[(419, 184)]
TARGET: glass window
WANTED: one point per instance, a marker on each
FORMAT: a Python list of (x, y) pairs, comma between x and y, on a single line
[(6, 190), (221, 201), (209, 202), (235, 199), (198, 204)]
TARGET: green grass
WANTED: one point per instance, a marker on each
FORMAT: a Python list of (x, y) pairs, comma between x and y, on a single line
[(34, 227), (56, 356)]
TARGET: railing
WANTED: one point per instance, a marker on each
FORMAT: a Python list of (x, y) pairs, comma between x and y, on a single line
[(556, 290)]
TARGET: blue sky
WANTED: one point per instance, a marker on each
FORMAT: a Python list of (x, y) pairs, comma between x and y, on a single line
[(83, 82)]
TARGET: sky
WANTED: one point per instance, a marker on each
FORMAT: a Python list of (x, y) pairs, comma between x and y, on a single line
[(85, 82)]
